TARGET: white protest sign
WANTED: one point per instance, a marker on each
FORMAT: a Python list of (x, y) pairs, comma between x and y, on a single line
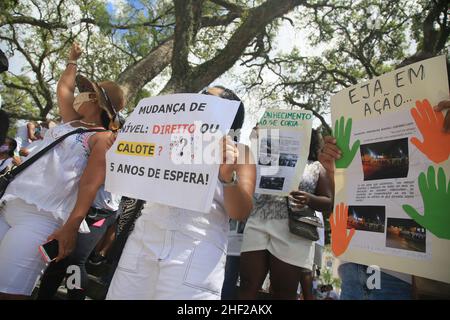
[(168, 150), (394, 174), (283, 147)]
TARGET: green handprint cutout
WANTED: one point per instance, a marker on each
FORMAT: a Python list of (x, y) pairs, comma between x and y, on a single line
[(343, 142), (436, 202)]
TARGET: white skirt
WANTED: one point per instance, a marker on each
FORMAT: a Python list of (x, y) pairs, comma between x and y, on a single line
[(274, 235), (23, 228)]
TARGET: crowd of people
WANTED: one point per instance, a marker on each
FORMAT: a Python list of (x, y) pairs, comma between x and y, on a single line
[(158, 251)]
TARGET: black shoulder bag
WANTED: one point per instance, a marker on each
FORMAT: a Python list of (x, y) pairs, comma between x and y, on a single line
[(9, 176), (304, 223)]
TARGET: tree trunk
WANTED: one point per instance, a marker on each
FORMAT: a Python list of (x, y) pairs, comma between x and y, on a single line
[(136, 76), (255, 22)]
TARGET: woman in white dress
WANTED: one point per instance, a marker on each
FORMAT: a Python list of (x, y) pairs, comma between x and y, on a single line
[(50, 199)]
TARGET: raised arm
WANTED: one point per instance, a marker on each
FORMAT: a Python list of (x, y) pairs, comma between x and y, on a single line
[(66, 87), (238, 198), (327, 157), (92, 179)]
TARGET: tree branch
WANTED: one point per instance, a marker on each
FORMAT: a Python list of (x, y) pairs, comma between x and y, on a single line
[(184, 36), (232, 7), (136, 76), (52, 25), (434, 40), (17, 115), (255, 21), (219, 20), (207, 21), (28, 90), (306, 106)]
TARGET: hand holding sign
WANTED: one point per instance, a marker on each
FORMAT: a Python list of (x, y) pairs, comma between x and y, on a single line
[(444, 104), (436, 200), (343, 142), (339, 237), (230, 154), (111, 139), (436, 143), (329, 154)]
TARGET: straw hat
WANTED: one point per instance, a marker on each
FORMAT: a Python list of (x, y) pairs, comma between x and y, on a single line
[(110, 95)]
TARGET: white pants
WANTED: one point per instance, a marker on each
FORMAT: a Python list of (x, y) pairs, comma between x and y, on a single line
[(164, 265), (23, 228)]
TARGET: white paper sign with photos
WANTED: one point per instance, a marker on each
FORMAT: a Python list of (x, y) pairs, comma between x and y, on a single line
[(168, 151), (393, 177), (283, 139)]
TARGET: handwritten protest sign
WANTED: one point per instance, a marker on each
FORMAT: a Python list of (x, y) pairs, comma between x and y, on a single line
[(168, 150), (393, 179), (283, 137)]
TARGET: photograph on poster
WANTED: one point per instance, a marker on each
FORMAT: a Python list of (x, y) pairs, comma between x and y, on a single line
[(405, 234), (267, 159), (367, 218), (269, 145), (272, 183), (288, 160), (385, 159)]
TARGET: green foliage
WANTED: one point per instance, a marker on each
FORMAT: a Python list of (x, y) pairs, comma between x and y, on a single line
[(348, 42), (351, 40), (107, 51), (326, 278), (7, 5)]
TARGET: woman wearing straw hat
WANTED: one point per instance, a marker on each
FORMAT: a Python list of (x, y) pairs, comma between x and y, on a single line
[(50, 199)]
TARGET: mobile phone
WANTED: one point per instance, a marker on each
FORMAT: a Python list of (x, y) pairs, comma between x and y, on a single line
[(49, 250)]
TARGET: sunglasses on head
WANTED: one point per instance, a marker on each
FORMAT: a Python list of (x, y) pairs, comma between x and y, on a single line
[(115, 122)]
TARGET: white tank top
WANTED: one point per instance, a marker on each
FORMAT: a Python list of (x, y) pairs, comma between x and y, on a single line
[(51, 183), (212, 226)]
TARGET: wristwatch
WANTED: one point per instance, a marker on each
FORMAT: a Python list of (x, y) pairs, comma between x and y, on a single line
[(234, 180)]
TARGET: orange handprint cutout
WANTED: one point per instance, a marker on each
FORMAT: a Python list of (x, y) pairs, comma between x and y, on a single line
[(339, 237), (436, 143)]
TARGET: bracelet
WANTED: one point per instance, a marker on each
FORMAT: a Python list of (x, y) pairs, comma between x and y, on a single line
[(74, 62), (234, 180)]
